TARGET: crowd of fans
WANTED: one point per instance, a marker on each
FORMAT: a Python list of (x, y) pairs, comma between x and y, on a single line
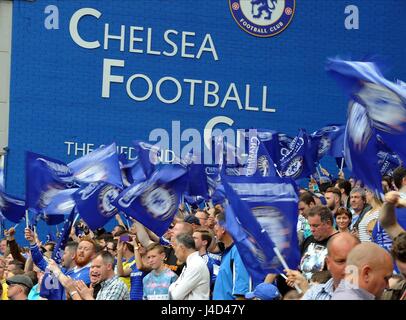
[(352, 247)]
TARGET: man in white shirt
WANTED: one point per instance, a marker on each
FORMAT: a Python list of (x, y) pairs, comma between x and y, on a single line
[(194, 281)]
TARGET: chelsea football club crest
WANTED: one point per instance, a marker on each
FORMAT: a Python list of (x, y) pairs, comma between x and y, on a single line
[(106, 197), (295, 167), (263, 18), (160, 201)]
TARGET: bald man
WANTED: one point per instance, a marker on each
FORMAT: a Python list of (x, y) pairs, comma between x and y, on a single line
[(368, 270), (338, 248)]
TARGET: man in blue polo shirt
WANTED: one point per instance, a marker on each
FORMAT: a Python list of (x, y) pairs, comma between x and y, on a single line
[(233, 280)]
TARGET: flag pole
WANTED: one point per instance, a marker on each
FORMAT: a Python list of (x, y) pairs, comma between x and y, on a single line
[(27, 222), (318, 172), (276, 169), (74, 220), (285, 266), (342, 164)]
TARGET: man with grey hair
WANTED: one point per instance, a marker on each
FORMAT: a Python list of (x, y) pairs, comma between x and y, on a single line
[(194, 281), (369, 268), (358, 207)]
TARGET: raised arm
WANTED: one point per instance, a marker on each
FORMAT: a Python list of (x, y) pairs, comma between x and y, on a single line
[(387, 217), (14, 248), (120, 221), (142, 234), (120, 269), (138, 258), (36, 254)]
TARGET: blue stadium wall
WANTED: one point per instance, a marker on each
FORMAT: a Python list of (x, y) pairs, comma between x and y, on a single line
[(57, 103)]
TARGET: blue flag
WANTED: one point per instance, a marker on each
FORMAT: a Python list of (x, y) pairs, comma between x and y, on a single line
[(51, 237), (388, 162), (63, 238), (297, 162), (193, 200), (328, 140), (263, 214), (155, 201), (12, 208), (2, 184), (62, 203), (250, 158), (132, 169), (385, 101), (45, 177), (219, 195), (257, 161), (149, 156), (101, 165), (196, 181), (361, 148), (276, 143), (94, 203), (52, 219)]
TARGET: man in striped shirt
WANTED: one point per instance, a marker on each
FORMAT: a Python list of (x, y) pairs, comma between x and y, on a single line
[(338, 248)]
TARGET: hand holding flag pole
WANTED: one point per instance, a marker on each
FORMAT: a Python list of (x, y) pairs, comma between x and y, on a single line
[(27, 219), (285, 266), (342, 164)]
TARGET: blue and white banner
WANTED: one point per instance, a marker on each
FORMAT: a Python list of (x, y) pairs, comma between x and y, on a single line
[(257, 161), (155, 201), (149, 156), (12, 208), (388, 162), (297, 162), (385, 101), (62, 203), (276, 143), (361, 148), (328, 140), (132, 170), (94, 203), (101, 165), (45, 177), (263, 215)]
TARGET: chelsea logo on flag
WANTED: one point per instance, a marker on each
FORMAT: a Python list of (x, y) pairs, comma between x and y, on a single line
[(106, 197), (263, 18), (295, 167), (160, 201)]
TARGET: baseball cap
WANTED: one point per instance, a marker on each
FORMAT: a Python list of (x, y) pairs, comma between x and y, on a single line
[(264, 291), (192, 220), (21, 280)]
